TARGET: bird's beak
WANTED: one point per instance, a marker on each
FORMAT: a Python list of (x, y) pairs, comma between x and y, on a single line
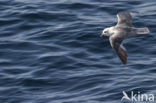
[(101, 35)]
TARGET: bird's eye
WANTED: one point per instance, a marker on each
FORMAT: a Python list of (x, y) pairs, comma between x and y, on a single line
[(105, 31)]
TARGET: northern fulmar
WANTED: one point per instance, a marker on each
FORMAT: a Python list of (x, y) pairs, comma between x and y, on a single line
[(123, 30)]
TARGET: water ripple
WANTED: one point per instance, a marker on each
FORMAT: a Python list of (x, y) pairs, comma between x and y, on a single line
[(51, 51)]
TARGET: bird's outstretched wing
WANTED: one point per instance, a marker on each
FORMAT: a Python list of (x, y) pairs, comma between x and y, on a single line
[(115, 41), (125, 18)]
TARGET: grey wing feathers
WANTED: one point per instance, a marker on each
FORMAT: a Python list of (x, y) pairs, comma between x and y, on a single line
[(143, 30), (115, 42), (125, 18)]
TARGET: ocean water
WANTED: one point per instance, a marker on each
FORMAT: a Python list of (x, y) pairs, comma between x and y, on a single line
[(51, 52)]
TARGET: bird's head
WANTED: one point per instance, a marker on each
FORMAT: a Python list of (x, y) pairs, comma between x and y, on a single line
[(106, 32)]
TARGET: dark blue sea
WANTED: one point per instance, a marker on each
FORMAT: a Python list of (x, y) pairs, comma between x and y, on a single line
[(51, 51)]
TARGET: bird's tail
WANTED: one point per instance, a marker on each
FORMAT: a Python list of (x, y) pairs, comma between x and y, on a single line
[(143, 30)]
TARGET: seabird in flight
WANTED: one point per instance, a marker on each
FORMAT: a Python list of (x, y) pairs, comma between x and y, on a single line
[(123, 30)]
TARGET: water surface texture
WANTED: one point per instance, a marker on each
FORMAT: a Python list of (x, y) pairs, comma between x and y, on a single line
[(51, 52)]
